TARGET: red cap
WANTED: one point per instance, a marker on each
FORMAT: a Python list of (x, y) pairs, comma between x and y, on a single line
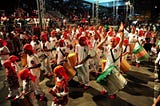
[(141, 32), (61, 43), (83, 39), (43, 36), (28, 47), (7, 64), (34, 37), (125, 41), (110, 33), (3, 42), (13, 58)]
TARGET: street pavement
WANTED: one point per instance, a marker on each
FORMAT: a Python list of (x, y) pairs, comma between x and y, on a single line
[(139, 90)]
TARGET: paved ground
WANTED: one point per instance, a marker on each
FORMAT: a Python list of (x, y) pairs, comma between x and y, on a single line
[(138, 92)]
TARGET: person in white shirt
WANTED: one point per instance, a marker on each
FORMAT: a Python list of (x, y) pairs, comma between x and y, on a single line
[(35, 43), (157, 64), (132, 37), (126, 49), (46, 49), (62, 51), (53, 40), (82, 51), (113, 53), (33, 64), (4, 51)]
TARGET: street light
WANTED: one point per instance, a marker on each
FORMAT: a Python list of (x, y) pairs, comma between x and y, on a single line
[(127, 5), (97, 7), (40, 8)]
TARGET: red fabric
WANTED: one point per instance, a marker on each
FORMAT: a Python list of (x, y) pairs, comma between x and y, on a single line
[(3, 42), (25, 74), (13, 58), (61, 43), (125, 41), (53, 32), (34, 37), (110, 33), (28, 47), (44, 36), (117, 39), (83, 41), (7, 64), (59, 70), (141, 32), (65, 35)]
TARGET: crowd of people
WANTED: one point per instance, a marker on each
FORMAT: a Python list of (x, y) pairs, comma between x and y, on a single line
[(70, 49)]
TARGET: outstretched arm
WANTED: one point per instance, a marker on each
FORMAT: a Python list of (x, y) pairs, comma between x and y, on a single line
[(100, 45)]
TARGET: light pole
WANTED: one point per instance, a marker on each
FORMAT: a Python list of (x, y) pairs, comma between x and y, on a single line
[(41, 9), (114, 4), (97, 7), (127, 5), (93, 10)]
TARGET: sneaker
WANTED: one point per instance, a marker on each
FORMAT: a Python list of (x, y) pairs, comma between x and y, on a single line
[(16, 98), (42, 98), (103, 92), (86, 87), (8, 97), (112, 96), (157, 80), (137, 65)]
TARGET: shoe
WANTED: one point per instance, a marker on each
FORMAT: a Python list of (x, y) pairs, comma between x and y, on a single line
[(157, 80), (103, 92), (8, 97), (137, 65), (86, 87), (42, 98), (112, 96), (15, 98)]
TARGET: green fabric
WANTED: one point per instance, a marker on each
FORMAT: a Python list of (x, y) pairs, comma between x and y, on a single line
[(53, 48), (137, 49), (144, 57), (106, 27), (158, 42), (103, 77)]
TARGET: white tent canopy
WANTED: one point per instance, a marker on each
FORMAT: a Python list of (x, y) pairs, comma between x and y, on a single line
[(108, 3)]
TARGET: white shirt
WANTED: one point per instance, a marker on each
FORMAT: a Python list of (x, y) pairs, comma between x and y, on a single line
[(82, 52), (48, 46), (33, 60), (35, 45), (4, 49), (59, 53), (157, 61), (53, 41), (116, 53), (132, 37)]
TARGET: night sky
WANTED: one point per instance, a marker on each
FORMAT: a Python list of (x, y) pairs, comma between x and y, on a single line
[(28, 5)]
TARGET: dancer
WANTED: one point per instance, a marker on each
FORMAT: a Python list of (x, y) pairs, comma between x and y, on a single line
[(82, 51), (33, 64), (60, 90), (12, 79)]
